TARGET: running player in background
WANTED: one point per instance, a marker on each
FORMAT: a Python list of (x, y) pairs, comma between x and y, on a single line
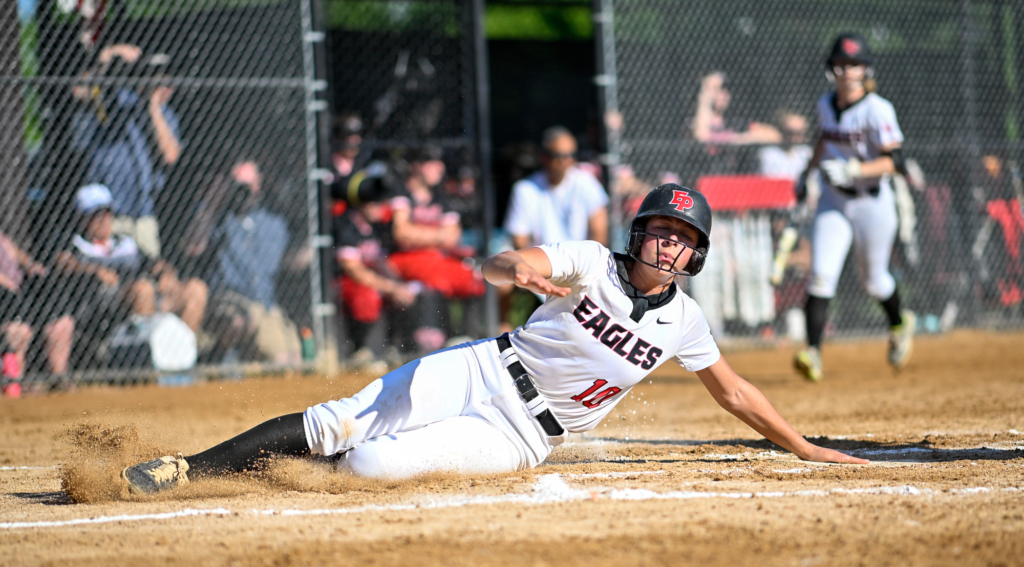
[(501, 405), (857, 152)]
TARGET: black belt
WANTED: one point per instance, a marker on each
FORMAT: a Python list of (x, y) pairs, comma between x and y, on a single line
[(852, 192), (527, 389)]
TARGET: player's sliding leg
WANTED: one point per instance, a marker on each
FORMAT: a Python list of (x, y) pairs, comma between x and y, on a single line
[(429, 390), (463, 445), (283, 435)]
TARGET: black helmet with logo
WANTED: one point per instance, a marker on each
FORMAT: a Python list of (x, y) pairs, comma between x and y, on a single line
[(671, 200), (850, 46)]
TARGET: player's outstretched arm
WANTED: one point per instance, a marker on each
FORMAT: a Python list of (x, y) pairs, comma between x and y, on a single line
[(529, 269), (746, 402)]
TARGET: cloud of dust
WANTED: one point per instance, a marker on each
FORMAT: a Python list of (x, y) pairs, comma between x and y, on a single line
[(99, 452), (574, 453), (96, 456)]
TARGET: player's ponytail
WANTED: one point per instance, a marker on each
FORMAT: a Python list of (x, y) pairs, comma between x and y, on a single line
[(869, 80)]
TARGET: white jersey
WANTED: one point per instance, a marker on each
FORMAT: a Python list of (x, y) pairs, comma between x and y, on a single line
[(860, 131), (583, 350), (554, 214)]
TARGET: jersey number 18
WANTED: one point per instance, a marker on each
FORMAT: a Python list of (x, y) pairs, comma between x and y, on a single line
[(598, 397)]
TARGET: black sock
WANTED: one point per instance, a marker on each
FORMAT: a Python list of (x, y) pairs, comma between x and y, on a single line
[(816, 311), (285, 435), (892, 309)]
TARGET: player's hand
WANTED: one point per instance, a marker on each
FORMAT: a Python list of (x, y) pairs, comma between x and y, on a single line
[(8, 283), (528, 278), (823, 455), (108, 277), (405, 294), (161, 96), (36, 269), (841, 173), (451, 236)]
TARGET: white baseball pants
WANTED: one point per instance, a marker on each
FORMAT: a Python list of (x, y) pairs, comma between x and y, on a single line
[(454, 410), (870, 224)]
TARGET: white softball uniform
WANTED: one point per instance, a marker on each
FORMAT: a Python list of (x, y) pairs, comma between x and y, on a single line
[(458, 409), (864, 214)]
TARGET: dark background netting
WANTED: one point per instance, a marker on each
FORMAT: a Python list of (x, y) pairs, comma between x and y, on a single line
[(239, 83), (951, 70), (256, 81)]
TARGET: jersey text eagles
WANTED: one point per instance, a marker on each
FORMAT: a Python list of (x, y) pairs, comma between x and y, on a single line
[(615, 336)]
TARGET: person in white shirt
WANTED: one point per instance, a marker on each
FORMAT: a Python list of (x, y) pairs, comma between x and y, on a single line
[(788, 159), (560, 202), (501, 405), (858, 151)]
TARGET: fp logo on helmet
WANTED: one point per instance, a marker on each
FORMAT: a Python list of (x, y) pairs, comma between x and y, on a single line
[(682, 200)]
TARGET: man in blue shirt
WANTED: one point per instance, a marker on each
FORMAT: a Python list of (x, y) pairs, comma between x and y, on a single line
[(132, 134), (251, 245)]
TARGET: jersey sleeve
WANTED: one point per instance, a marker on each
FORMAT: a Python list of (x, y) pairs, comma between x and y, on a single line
[(575, 261), (698, 349), (885, 129)]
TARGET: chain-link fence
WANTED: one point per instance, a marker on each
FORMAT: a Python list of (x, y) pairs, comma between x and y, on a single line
[(157, 203), (722, 96), (405, 83)]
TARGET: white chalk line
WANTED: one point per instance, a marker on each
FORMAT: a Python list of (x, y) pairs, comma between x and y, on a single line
[(25, 468), (549, 489), (122, 518)]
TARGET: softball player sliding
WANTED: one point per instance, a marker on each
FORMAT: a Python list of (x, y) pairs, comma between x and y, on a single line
[(857, 152), (503, 404)]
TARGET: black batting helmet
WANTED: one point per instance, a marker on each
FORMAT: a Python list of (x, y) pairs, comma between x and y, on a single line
[(850, 46), (671, 200)]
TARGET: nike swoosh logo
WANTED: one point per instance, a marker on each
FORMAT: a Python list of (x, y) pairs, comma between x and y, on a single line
[(660, 322)]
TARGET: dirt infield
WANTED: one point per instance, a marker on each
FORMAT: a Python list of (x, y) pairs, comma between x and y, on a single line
[(668, 479)]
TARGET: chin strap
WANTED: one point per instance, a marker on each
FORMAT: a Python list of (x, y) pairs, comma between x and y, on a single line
[(641, 302)]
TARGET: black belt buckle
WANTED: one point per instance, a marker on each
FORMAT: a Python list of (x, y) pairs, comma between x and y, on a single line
[(852, 192), (528, 390)]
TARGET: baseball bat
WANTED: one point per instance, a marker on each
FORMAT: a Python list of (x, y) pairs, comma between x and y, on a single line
[(787, 242)]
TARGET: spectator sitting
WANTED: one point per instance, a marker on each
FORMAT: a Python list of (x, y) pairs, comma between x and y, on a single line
[(28, 302), (346, 143), (560, 202), (119, 276), (788, 159), (428, 235), (368, 282), (249, 243), (710, 124), (132, 134)]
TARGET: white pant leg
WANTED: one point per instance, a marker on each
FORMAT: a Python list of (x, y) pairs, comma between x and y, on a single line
[(875, 225), (468, 381), (422, 392), (832, 237), (464, 445)]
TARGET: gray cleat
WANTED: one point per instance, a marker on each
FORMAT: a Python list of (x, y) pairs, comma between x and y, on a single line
[(157, 475)]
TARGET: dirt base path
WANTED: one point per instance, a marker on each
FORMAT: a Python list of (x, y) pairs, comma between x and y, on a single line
[(668, 479)]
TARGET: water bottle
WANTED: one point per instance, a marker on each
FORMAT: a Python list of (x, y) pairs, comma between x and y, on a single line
[(308, 344)]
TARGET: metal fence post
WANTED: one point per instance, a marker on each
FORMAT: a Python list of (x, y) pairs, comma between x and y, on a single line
[(323, 310)]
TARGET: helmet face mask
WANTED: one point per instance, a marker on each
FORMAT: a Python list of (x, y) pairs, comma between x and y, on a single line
[(675, 201), (636, 243)]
